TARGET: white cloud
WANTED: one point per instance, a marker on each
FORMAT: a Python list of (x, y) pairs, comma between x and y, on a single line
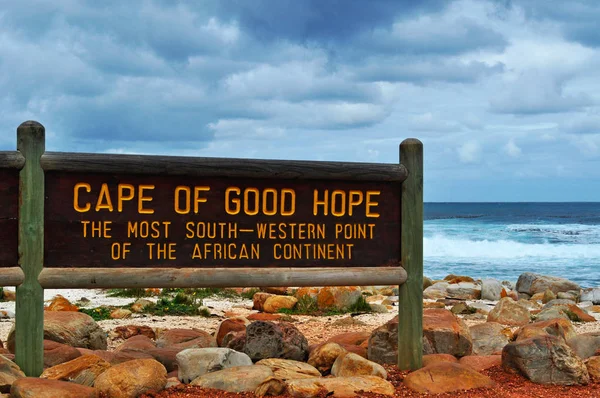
[(469, 152), (511, 149)]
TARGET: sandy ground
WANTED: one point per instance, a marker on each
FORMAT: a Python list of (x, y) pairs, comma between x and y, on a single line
[(316, 329)]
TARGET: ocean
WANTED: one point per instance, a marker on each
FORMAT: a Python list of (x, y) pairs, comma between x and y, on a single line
[(503, 240)]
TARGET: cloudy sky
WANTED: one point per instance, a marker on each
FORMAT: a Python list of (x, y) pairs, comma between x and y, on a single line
[(505, 95)]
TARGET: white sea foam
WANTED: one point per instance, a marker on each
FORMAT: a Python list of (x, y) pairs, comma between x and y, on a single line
[(441, 246)]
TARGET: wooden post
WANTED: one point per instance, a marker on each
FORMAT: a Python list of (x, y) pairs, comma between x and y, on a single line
[(29, 322), (410, 308)]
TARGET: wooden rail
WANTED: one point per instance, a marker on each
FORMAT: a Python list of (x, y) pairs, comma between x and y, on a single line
[(222, 167), (11, 276), (70, 278), (11, 160)]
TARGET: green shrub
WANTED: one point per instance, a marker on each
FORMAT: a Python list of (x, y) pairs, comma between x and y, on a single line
[(136, 292), (179, 305), (249, 294), (361, 306), (99, 313)]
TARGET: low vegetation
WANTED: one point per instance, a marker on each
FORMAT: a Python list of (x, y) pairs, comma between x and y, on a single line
[(308, 305)]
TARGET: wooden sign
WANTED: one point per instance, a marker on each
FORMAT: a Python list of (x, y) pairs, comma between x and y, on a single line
[(108, 220), (105, 221), (9, 200)]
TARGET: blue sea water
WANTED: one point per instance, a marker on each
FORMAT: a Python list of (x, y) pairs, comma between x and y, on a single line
[(503, 240)]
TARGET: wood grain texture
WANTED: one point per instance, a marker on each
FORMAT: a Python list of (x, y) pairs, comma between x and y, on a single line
[(11, 160), (410, 309), (29, 322), (221, 167), (90, 278), (12, 276), (9, 213)]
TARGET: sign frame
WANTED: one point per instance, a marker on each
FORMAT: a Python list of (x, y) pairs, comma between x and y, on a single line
[(31, 277)]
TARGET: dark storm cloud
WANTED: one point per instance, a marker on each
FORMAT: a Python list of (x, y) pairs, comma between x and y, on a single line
[(321, 21), (578, 18)]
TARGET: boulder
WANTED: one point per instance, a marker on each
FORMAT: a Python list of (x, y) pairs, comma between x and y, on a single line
[(287, 369), (237, 379), (585, 345), (270, 340), (339, 297), (235, 340), (185, 338), (323, 357), (230, 325), (445, 377), (567, 311), (275, 303), (57, 353), (558, 327), (311, 292), (33, 387), (116, 357), (591, 294), (433, 304), (262, 316), (141, 304), (464, 291), (339, 386), (557, 301), (379, 308), (383, 343), (258, 300), (445, 333), (136, 343), (462, 308), (71, 328), (59, 303), (167, 356), (9, 295), (508, 312), (545, 360), (570, 295), (427, 282), (351, 338), (489, 337), (491, 289), (529, 304), (481, 362), (532, 283), (431, 359), (282, 291), (350, 364), (120, 313), (132, 378), (451, 278), (356, 342), (548, 296), (127, 331), (195, 362), (82, 370), (295, 345), (436, 291), (593, 367), (9, 372)]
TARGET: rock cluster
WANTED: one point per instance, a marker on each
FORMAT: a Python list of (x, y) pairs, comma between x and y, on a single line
[(525, 328)]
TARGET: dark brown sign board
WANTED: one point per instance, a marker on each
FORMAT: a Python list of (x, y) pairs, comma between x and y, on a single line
[(9, 229), (109, 220)]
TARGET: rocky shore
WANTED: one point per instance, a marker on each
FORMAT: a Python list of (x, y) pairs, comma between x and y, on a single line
[(543, 328)]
